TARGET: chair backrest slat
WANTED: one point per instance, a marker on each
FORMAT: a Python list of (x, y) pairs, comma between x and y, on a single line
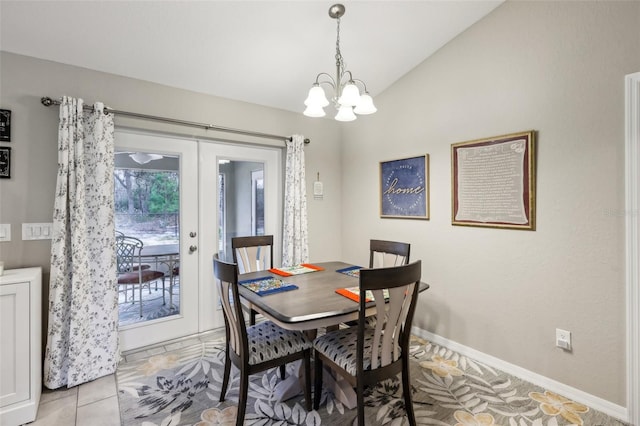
[(388, 253), (378, 298), (394, 313), (226, 275), (253, 253), (226, 296)]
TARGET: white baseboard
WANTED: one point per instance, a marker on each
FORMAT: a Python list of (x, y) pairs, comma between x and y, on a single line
[(574, 394)]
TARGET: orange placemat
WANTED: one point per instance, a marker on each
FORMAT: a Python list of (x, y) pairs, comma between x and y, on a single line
[(303, 268), (353, 293)]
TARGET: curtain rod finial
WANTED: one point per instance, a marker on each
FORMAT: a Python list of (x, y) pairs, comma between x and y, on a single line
[(46, 101), (306, 141)]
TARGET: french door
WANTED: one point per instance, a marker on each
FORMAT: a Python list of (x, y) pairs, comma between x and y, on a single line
[(166, 220), (240, 194), (220, 191)]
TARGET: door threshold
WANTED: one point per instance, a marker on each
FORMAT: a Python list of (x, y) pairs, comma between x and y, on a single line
[(168, 345)]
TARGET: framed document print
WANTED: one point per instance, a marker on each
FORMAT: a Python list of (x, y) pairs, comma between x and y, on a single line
[(5, 162), (404, 188), (493, 182), (5, 125)]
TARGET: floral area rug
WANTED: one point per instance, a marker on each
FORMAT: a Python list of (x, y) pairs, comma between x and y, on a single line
[(182, 387)]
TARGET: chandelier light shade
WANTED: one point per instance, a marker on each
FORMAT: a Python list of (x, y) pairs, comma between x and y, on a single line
[(346, 96), (316, 97)]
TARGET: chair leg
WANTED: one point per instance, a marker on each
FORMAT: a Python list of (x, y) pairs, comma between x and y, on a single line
[(307, 379), (252, 319), (283, 371), (406, 390), (227, 371), (360, 403), (242, 398), (164, 301), (317, 391), (171, 283), (140, 294)]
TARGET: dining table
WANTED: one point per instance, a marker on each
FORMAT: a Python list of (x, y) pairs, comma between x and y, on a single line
[(312, 304), (163, 254)]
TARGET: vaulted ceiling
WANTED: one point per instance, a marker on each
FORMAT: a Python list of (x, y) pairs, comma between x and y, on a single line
[(263, 52)]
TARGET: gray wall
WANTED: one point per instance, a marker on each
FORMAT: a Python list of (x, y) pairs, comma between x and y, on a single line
[(555, 67), (28, 195)]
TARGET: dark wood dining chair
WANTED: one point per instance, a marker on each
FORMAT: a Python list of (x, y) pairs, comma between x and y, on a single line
[(131, 271), (258, 347), (251, 254), (382, 254), (388, 253), (364, 355)]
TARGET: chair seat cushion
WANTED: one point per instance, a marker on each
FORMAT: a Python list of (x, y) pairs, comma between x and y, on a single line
[(340, 346), (269, 341), (134, 277)]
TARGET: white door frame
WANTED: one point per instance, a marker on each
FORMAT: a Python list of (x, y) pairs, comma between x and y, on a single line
[(632, 201)]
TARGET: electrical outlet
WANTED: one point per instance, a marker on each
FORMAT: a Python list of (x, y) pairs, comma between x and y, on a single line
[(563, 339)]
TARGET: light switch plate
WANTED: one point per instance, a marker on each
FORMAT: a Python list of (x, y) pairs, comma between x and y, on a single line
[(5, 232), (37, 231)]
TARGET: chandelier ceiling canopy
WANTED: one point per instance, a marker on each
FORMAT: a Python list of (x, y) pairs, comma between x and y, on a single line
[(346, 96)]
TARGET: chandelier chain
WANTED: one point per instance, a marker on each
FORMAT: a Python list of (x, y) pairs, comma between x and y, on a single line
[(339, 60)]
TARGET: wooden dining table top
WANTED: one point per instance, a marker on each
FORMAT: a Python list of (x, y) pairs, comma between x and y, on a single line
[(314, 303)]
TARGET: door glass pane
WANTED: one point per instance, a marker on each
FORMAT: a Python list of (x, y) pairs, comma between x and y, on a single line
[(241, 202), (257, 202), (147, 200)]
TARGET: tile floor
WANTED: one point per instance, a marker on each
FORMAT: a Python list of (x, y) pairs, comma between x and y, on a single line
[(96, 403)]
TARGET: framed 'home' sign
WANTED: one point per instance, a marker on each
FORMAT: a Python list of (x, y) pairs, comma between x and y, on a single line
[(404, 188)]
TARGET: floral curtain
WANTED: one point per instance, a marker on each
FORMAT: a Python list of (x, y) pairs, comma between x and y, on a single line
[(295, 249), (82, 340)]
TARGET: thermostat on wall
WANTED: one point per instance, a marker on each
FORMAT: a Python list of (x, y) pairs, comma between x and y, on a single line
[(318, 191)]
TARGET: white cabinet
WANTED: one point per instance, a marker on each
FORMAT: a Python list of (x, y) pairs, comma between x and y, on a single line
[(20, 345)]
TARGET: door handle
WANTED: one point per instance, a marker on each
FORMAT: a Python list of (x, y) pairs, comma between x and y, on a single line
[(192, 249)]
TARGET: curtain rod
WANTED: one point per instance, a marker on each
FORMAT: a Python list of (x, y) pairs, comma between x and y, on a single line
[(47, 101)]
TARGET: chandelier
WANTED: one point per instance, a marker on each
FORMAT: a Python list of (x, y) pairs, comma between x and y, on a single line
[(346, 95)]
